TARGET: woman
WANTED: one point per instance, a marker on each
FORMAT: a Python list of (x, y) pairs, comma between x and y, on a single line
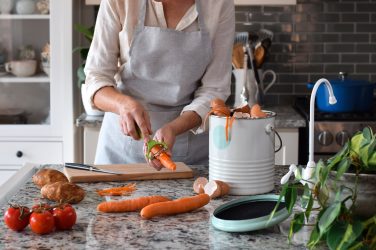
[(175, 56)]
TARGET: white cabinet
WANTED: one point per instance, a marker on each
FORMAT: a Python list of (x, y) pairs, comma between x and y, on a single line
[(290, 146), (36, 112), (91, 135), (237, 2)]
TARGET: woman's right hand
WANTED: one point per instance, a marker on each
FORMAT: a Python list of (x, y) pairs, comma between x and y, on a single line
[(133, 114)]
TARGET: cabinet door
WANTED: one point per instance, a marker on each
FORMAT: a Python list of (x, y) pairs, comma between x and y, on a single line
[(288, 154), (35, 71)]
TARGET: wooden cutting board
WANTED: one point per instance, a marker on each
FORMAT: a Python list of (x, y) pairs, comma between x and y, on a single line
[(136, 171)]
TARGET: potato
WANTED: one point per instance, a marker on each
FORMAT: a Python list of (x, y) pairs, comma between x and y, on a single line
[(48, 176), (64, 192)]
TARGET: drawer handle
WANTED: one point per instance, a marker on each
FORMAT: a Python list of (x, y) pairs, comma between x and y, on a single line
[(19, 154)]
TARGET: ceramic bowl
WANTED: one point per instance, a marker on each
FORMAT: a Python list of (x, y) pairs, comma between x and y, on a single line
[(22, 68)]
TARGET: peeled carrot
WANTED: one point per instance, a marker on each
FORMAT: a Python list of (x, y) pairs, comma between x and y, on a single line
[(130, 205), (159, 153), (182, 205)]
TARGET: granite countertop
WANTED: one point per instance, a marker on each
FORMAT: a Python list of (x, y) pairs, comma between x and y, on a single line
[(287, 117), (95, 230)]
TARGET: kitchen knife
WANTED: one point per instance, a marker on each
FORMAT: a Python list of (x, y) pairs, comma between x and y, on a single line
[(89, 168)]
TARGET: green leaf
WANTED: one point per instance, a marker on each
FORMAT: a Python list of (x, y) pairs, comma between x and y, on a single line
[(309, 208), (351, 234), (343, 166), (314, 237), (281, 195), (367, 133), (335, 234), (298, 173), (87, 32), (306, 196), (329, 215), (296, 224), (81, 75), (324, 172), (83, 53), (290, 198), (334, 160)]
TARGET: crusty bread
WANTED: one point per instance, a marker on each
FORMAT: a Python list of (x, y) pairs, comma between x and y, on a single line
[(48, 176), (64, 192)]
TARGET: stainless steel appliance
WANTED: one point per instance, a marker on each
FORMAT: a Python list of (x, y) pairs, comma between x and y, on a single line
[(332, 130)]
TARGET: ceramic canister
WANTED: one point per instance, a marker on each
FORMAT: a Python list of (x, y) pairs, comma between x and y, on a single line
[(25, 7), (246, 160)]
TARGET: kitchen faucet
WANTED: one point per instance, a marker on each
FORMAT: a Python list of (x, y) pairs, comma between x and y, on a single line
[(309, 170)]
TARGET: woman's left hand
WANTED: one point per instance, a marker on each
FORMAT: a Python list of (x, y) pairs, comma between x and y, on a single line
[(167, 135)]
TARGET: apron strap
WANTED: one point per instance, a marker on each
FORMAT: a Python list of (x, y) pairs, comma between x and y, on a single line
[(141, 14), (200, 17)]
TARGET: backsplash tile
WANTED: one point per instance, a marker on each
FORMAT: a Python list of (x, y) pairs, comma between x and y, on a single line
[(314, 39)]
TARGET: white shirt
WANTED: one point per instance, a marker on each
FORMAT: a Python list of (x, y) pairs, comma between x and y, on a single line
[(116, 22)]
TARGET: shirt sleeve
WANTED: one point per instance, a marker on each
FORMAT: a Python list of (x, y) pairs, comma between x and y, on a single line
[(216, 81), (102, 60)]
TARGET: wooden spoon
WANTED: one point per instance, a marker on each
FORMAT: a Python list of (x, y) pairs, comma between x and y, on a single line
[(238, 55)]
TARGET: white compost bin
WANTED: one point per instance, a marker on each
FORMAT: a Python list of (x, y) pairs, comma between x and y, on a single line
[(246, 160)]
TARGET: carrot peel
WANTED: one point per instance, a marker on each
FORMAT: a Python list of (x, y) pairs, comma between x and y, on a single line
[(118, 191)]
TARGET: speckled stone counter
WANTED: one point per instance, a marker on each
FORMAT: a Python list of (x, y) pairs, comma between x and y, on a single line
[(287, 117), (95, 230)]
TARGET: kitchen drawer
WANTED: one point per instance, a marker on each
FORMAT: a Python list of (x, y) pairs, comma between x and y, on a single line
[(5, 175), (17, 153)]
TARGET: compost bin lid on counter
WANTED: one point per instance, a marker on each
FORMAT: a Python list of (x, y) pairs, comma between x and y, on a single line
[(249, 213)]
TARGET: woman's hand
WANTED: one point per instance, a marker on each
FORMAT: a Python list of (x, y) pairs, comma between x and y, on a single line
[(132, 113), (165, 134), (134, 119)]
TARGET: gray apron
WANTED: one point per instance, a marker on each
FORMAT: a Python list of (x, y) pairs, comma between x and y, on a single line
[(163, 72)]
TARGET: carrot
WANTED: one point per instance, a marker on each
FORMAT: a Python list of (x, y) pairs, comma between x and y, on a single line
[(226, 128), (182, 205), (130, 205), (117, 191), (159, 153)]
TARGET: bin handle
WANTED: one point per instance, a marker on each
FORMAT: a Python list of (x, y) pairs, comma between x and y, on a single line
[(269, 128)]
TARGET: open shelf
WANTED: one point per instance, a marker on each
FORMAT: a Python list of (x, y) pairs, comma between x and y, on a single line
[(32, 79), (21, 17)]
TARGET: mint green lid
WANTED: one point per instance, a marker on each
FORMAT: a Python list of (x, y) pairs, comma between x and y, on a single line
[(249, 213)]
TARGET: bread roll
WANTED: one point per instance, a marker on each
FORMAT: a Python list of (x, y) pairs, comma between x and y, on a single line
[(63, 192), (48, 176)]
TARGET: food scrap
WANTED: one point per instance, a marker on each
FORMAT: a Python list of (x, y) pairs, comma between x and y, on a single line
[(219, 108), (213, 188), (118, 191)]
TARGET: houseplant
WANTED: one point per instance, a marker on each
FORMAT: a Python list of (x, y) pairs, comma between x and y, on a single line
[(332, 208), (88, 33)]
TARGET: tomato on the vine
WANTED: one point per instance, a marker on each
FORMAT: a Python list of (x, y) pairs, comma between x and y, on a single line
[(17, 217), (42, 222), (65, 217)]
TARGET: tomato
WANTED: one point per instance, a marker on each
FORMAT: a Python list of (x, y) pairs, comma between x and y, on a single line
[(42, 222), (65, 217), (17, 217), (42, 206)]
